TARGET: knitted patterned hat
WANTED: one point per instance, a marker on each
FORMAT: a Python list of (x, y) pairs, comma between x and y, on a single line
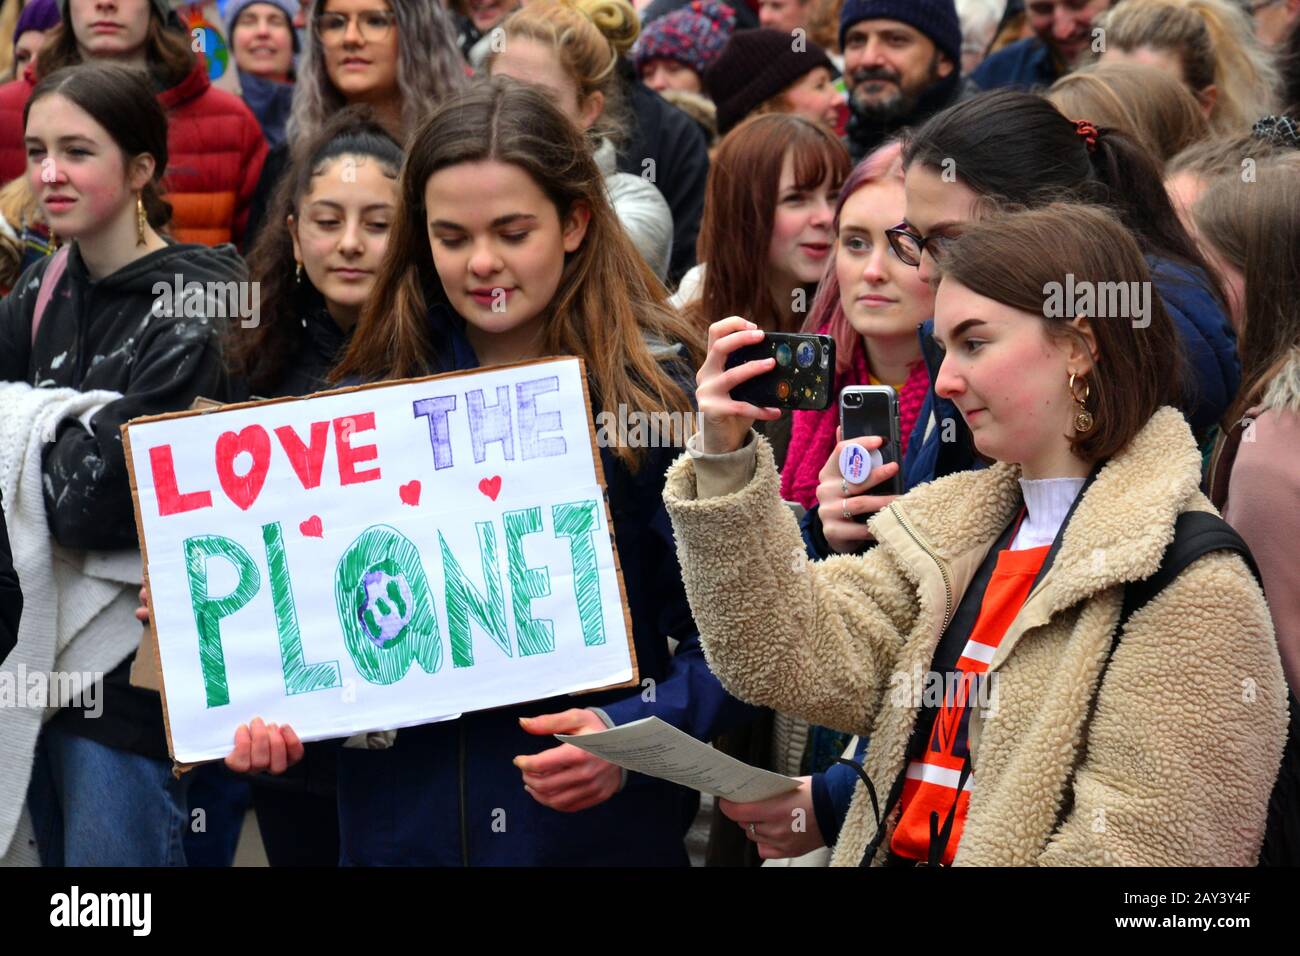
[(756, 65), (693, 35), (937, 19)]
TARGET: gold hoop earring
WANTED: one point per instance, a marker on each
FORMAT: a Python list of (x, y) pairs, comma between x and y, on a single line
[(1083, 420), (140, 220)]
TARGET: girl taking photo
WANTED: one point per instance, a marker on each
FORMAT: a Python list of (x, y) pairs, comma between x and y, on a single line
[(500, 198), (1064, 736)]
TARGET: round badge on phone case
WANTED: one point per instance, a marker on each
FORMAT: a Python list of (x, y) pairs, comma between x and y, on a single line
[(857, 462)]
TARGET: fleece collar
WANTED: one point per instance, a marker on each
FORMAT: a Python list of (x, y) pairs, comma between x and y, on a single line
[(1119, 531)]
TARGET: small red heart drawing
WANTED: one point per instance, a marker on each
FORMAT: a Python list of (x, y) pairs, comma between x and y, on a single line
[(311, 528), (491, 486), (410, 493)]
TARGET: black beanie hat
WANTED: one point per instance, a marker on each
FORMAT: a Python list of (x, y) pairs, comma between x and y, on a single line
[(756, 65)]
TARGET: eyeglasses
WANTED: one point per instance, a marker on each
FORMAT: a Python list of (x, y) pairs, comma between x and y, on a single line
[(909, 247), (373, 25)]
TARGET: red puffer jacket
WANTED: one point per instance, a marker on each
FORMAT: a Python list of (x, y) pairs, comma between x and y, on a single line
[(217, 150)]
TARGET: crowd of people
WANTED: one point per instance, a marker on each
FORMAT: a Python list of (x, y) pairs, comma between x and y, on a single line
[(1099, 508)]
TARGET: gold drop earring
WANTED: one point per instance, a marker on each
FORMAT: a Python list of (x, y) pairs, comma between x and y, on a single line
[(140, 220), (1083, 420)]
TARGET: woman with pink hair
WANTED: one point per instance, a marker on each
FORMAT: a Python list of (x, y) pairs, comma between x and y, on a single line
[(871, 302)]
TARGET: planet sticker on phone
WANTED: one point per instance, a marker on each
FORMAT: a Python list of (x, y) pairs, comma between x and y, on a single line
[(857, 462)]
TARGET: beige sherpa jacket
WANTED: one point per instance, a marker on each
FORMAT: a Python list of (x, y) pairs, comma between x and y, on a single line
[(1183, 749)]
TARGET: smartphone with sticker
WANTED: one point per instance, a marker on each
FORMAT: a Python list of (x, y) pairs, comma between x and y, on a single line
[(873, 410), (802, 379)]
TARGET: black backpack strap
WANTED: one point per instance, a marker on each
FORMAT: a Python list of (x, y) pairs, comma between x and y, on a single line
[(1196, 533)]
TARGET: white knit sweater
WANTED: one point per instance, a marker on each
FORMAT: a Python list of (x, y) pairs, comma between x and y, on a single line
[(78, 607)]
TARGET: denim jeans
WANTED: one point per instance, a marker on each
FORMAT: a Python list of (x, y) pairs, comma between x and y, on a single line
[(94, 805)]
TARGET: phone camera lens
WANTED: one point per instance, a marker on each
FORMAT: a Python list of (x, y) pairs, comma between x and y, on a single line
[(853, 399), (805, 354), (783, 355)]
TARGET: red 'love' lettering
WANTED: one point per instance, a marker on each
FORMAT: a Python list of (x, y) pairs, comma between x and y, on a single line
[(243, 490), (307, 460), (349, 457), (170, 500)]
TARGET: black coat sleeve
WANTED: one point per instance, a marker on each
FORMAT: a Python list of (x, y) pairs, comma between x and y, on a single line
[(11, 595), (87, 486), (680, 153), (16, 326)]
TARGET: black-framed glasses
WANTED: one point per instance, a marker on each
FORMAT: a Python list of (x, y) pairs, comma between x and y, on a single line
[(373, 25), (909, 247)]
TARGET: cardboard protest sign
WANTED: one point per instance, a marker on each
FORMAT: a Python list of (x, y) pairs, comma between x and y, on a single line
[(206, 26), (378, 557)]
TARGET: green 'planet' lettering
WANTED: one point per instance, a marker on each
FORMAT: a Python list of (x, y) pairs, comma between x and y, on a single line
[(299, 677), (577, 521), (208, 611), (385, 607), (464, 600), (526, 584)]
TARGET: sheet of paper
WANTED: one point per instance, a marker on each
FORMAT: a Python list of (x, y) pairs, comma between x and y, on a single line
[(658, 749)]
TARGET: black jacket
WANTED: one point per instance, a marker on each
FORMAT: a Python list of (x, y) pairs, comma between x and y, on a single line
[(11, 595), (104, 334), (663, 134)]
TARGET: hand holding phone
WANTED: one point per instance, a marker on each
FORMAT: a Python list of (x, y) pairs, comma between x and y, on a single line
[(724, 421), (873, 410), (800, 378), (845, 507)]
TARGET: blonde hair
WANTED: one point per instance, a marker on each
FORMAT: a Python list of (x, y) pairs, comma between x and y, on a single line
[(1143, 101), (1216, 45), (19, 207), (588, 37), (9, 11)]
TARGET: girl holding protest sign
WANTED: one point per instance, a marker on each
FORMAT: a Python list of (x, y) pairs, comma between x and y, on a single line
[(1093, 710), (91, 318), (505, 248)]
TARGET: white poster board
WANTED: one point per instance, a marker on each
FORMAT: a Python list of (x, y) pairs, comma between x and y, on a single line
[(378, 557)]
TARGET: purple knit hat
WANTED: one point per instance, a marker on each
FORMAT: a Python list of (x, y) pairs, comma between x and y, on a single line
[(37, 15), (693, 35)]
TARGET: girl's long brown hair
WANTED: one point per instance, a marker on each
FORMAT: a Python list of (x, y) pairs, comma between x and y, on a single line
[(740, 208), (608, 301), (1255, 226)]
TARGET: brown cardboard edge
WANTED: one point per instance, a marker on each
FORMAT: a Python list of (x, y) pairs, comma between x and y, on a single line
[(209, 407), (177, 768)]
